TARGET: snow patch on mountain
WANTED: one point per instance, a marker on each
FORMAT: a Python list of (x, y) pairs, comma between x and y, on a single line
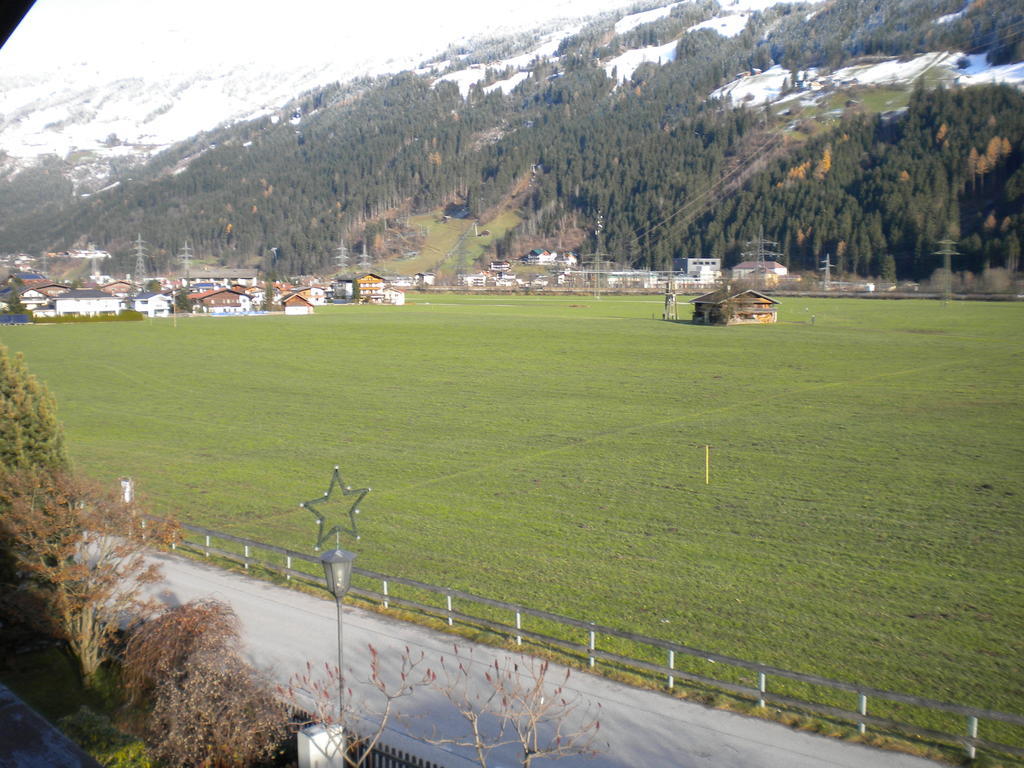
[(624, 65), (726, 26), (634, 20)]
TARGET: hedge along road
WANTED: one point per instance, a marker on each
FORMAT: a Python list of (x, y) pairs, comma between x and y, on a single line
[(284, 629)]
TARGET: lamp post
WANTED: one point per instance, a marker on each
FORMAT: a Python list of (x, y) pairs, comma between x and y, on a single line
[(338, 571)]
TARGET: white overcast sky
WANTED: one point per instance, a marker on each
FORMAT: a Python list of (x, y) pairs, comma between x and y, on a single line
[(124, 38)]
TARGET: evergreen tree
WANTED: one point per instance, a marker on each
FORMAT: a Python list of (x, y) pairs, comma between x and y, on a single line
[(30, 435)]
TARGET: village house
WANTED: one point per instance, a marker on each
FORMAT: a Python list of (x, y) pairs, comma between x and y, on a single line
[(87, 302), (221, 301), (371, 288), (500, 268), (729, 307), (297, 304), (539, 256), (256, 295), (770, 271), (393, 296), (424, 278), (153, 304), (314, 293), (219, 277), (119, 288), (474, 280)]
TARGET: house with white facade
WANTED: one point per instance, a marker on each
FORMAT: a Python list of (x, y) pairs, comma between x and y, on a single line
[(87, 302), (540, 256), (297, 304), (758, 268), (704, 270), (153, 304), (221, 301), (393, 296), (474, 280)]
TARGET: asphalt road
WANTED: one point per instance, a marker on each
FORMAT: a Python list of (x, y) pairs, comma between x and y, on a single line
[(284, 629)]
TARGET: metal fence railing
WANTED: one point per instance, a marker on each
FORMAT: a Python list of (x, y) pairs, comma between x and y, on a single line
[(666, 662)]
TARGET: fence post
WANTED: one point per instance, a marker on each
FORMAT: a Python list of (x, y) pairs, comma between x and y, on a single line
[(288, 563), (862, 708), (207, 545), (671, 665), (519, 625), (761, 688), (246, 557), (449, 596), (592, 646), (972, 734), (384, 584)]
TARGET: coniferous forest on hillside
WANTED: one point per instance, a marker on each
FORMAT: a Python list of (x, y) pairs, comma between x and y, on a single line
[(643, 171)]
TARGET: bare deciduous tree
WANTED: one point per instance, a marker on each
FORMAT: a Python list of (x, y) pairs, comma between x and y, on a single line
[(209, 707), (78, 549), (518, 705), (354, 731)]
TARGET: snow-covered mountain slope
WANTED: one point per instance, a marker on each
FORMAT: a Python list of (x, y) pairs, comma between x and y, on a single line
[(103, 79)]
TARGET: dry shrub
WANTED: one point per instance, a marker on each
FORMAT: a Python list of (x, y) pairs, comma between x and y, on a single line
[(208, 707)]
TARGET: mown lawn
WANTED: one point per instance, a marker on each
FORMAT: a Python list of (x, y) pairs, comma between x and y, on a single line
[(863, 520)]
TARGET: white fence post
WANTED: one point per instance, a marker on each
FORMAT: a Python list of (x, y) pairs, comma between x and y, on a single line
[(384, 585), (862, 708), (246, 557), (207, 546), (972, 733), (519, 625), (671, 665), (760, 688), (449, 609), (288, 562), (592, 646)]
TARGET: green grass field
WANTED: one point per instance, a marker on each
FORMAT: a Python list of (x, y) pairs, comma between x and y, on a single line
[(863, 520)]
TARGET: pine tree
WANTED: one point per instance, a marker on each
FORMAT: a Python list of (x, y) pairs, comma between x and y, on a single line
[(30, 435)]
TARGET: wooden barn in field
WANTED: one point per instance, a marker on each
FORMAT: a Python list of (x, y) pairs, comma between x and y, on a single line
[(734, 307)]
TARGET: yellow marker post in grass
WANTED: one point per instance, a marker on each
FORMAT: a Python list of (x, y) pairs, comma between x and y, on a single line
[(707, 465)]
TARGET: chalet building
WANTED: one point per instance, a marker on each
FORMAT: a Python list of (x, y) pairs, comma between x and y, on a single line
[(728, 307), (501, 268), (424, 278), (47, 288), (221, 301), (119, 288), (35, 298), (297, 304), (371, 288), (316, 295)]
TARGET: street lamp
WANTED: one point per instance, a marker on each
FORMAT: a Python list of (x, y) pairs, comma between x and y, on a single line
[(338, 571)]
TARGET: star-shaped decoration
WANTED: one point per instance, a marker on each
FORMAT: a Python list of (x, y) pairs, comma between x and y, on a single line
[(337, 530)]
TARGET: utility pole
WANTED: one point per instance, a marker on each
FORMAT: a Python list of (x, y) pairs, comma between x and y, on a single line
[(827, 267), (342, 258), (762, 251), (140, 264), (186, 258), (947, 252)]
